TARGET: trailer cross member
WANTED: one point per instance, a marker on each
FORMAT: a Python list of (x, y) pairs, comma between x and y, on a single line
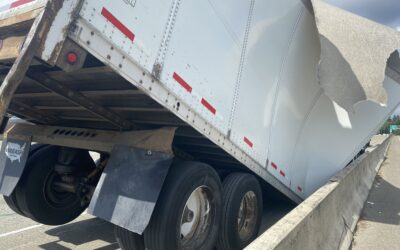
[(79, 99)]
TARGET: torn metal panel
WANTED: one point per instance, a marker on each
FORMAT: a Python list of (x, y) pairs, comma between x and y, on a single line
[(354, 54)]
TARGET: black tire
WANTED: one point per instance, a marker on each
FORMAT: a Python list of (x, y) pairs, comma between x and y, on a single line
[(235, 187), (35, 196), (184, 180), (11, 200), (128, 240)]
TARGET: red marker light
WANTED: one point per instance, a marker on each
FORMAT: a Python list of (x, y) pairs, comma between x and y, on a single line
[(72, 58)]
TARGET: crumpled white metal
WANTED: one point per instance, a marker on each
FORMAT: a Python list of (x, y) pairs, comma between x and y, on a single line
[(354, 55)]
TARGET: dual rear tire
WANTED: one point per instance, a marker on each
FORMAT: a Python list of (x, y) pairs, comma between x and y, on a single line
[(242, 211), (194, 210), (191, 207)]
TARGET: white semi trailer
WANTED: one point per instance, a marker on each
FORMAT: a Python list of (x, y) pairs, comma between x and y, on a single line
[(193, 106)]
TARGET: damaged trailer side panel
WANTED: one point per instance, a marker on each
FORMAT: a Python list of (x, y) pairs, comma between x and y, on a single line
[(267, 86), (262, 122)]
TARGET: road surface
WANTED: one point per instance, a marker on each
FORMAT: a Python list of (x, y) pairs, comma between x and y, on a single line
[(379, 226), (86, 232)]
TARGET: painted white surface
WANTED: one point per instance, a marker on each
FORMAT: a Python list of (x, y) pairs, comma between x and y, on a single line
[(325, 146), (104, 48), (205, 50), (269, 39), (297, 93), (146, 19), (57, 32), (279, 107), (6, 2)]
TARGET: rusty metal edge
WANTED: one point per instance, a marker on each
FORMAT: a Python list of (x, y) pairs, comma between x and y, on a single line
[(36, 35)]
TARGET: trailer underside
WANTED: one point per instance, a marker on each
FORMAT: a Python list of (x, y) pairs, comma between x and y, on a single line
[(97, 84)]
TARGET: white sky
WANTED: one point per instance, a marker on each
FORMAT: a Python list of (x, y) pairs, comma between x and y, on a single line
[(383, 11)]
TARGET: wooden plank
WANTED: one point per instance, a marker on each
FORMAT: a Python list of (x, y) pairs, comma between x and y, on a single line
[(18, 24), (10, 48)]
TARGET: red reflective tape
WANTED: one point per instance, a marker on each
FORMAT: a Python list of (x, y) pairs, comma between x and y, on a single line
[(282, 173), (248, 142), (274, 165), (19, 3), (208, 106), (183, 83), (300, 189), (112, 19)]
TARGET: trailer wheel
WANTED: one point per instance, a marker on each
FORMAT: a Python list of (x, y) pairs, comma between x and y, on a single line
[(242, 211), (128, 240), (11, 200), (188, 212), (36, 195)]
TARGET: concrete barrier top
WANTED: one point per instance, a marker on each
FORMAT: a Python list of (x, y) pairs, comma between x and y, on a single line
[(328, 217)]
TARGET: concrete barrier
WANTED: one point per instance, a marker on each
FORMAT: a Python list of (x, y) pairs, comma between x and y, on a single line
[(326, 219)]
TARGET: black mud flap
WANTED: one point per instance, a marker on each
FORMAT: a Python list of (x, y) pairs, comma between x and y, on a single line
[(129, 187), (13, 156)]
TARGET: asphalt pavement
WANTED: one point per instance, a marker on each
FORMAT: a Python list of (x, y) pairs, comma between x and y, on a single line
[(379, 226), (88, 232)]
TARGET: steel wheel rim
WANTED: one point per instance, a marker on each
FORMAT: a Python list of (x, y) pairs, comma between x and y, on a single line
[(196, 216), (54, 198), (247, 217)]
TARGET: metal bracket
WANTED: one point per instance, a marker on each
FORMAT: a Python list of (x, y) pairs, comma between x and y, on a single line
[(159, 140)]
